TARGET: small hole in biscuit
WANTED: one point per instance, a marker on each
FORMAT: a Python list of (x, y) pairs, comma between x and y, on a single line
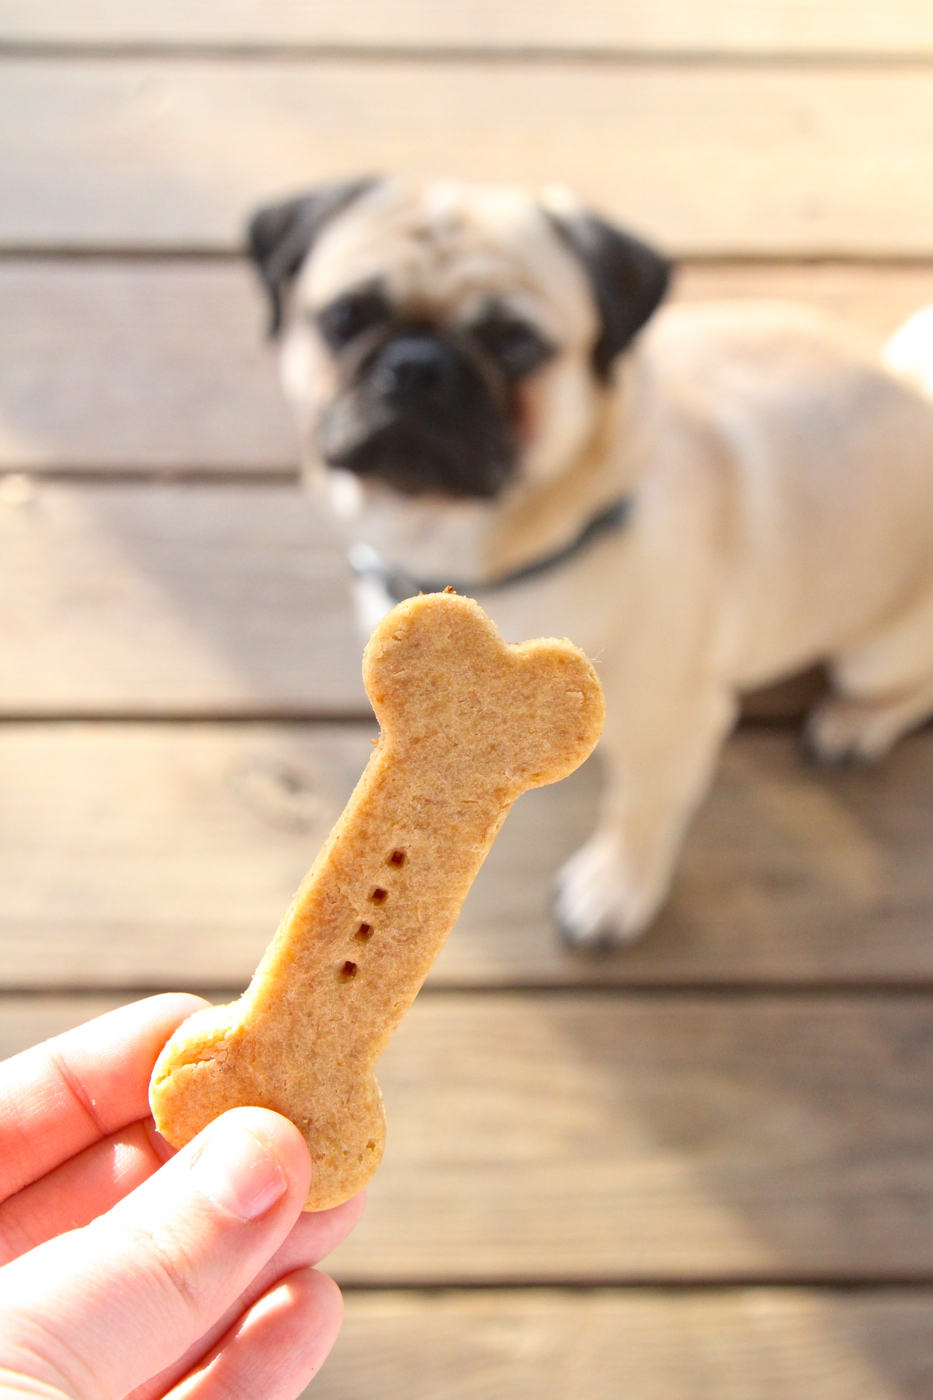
[(379, 896), (364, 931), (397, 858), (348, 970)]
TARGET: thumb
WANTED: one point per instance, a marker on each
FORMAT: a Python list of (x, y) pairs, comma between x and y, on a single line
[(96, 1312)]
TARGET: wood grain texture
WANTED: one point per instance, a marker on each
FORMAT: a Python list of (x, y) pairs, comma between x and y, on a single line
[(700, 1138), (735, 1344), (125, 897), (739, 26), (609, 1137), (150, 855), (148, 366), (764, 159), (766, 1343), (877, 297), (163, 366), (141, 598), (161, 598), (27, 1020), (789, 874)]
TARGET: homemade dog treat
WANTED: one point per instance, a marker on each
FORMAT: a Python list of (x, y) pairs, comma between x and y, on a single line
[(468, 723)]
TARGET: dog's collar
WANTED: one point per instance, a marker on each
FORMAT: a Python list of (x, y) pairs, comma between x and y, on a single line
[(366, 563)]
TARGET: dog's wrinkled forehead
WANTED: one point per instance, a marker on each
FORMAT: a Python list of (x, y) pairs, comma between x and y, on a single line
[(448, 249), (443, 250)]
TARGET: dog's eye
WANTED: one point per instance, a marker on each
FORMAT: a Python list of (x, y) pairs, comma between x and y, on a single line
[(347, 317), (517, 347)]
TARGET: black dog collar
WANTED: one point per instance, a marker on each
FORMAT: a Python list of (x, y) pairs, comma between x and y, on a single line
[(366, 563)]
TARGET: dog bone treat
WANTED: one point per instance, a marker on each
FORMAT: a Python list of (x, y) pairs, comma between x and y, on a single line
[(467, 724)]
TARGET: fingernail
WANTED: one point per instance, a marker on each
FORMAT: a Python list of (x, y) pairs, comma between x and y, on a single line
[(237, 1173)]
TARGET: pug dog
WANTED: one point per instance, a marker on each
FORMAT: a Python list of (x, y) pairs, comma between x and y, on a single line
[(706, 498)]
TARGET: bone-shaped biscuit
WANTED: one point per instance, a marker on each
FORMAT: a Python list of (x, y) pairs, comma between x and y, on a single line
[(467, 724)]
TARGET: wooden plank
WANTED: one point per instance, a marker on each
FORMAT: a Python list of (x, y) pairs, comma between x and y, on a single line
[(614, 1138), (156, 365), (138, 366), (609, 1138), (731, 26), (175, 865), (879, 298), (27, 1020), (142, 598), (775, 1344), (160, 598), (744, 1344), (719, 157), (790, 874), (150, 855)]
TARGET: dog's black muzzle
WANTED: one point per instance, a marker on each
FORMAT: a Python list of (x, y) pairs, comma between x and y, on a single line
[(423, 415)]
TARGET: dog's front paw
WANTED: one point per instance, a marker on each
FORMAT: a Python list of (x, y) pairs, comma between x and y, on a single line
[(844, 730), (598, 907), (841, 731)]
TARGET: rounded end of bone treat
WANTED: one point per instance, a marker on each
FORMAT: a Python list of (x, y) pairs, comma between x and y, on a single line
[(571, 696), (344, 1180), (183, 1095), (437, 671), (216, 1061)]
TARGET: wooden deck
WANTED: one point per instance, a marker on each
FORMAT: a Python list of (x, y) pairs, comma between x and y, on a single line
[(703, 1168)]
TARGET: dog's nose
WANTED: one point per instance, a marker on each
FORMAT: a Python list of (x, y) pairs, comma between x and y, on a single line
[(415, 369)]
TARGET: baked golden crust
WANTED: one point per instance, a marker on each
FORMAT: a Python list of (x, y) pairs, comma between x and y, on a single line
[(468, 723)]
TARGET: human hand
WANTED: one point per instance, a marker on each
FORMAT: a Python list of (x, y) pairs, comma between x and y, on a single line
[(131, 1271)]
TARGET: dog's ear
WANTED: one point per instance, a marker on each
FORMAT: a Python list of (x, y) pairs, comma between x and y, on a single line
[(628, 279), (280, 235)]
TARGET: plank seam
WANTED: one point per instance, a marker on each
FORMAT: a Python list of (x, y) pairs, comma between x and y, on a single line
[(739, 257), (271, 714), (196, 51), (852, 993), (275, 714), (119, 253), (847, 1285), (112, 475), (725, 989), (288, 714), (158, 254)]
